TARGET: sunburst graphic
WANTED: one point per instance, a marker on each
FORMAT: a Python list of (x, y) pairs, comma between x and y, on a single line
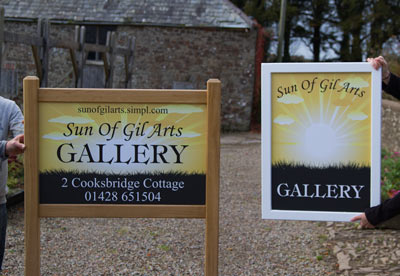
[(321, 119), (122, 136)]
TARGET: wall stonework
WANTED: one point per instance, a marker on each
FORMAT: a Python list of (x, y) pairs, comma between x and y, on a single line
[(20, 56), (391, 141), (390, 125), (60, 66), (167, 55), (61, 73), (164, 56)]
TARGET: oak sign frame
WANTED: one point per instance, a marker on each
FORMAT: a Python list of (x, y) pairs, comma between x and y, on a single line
[(33, 95)]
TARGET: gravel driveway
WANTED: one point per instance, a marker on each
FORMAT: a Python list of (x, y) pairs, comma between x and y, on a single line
[(248, 245)]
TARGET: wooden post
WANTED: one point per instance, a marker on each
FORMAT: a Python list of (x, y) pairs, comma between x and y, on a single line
[(212, 187), (129, 62), (36, 58), (32, 221), (281, 29), (75, 63), (104, 57), (82, 55), (109, 82), (45, 52), (37, 51)]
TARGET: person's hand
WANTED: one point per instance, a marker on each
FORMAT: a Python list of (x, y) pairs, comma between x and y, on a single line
[(363, 221), (380, 62), (15, 146)]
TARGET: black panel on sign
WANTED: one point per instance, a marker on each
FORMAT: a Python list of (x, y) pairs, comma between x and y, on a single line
[(97, 188)]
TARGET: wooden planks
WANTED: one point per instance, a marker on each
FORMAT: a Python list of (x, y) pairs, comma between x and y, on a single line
[(121, 211), (212, 190), (41, 43), (31, 180)]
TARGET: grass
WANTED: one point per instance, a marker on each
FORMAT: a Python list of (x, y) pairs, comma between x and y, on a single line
[(323, 238), (334, 166), (164, 247), (133, 174)]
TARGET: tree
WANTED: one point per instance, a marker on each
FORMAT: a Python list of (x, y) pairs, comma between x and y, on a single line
[(350, 28), (293, 17), (385, 23), (267, 13), (239, 3), (351, 22), (313, 17)]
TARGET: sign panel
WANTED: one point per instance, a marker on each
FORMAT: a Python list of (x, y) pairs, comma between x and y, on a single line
[(122, 153), (321, 140)]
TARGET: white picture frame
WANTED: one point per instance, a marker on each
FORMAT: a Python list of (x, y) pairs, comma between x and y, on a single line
[(271, 72)]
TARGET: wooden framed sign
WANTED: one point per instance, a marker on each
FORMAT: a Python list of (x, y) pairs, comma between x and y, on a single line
[(320, 140), (121, 153)]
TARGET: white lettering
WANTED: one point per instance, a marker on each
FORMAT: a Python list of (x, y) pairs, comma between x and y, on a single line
[(357, 191), (343, 191), (286, 190), (296, 190), (300, 190), (332, 188)]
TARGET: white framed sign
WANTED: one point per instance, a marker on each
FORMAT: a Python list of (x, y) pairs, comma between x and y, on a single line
[(320, 140)]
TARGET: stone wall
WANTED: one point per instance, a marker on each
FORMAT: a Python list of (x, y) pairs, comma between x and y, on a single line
[(20, 56), (164, 58), (168, 55), (390, 125), (391, 140)]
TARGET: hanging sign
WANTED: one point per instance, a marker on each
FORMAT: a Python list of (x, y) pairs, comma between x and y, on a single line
[(320, 140)]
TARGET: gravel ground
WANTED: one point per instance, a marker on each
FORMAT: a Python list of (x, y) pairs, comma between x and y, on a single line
[(248, 245)]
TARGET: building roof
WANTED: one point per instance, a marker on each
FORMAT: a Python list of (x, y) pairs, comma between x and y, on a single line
[(185, 13)]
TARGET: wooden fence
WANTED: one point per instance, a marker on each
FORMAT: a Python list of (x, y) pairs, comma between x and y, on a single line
[(78, 50), (9, 83)]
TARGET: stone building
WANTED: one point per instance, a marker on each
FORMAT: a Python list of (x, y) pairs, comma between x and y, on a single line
[(179, 44)]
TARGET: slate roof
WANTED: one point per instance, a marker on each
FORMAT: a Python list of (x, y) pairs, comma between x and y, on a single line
[(185, 13)]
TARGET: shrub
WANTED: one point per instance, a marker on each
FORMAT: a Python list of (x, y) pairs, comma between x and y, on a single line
[(390, 173), (15, 173)]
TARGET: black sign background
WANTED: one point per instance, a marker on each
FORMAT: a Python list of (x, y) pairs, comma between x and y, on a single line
[(51, 189), (343, 175)]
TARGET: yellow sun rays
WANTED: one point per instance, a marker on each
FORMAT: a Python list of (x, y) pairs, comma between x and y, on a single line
[(341, 111), (192, 129)]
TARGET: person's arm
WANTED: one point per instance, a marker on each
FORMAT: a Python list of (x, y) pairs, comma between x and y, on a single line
[(380, 62), (363, 221), (390, 82), (16, 120), (15, 146), (15, 124), (380, 213), (3, 154), (384, 211), (392, 86)]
